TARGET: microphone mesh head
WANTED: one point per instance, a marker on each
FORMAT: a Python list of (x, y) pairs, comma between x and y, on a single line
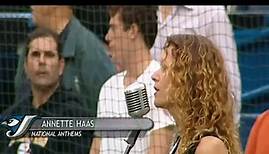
[(137, 100)]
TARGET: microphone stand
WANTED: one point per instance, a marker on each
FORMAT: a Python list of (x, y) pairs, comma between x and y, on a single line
[(132, 137)]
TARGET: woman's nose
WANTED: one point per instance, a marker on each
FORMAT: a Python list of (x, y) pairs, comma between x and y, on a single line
[(155, 76)]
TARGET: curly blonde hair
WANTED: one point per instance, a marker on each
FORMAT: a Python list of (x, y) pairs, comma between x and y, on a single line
[(200, 95)]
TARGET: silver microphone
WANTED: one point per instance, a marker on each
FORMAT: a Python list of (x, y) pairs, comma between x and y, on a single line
[(137, 105), (137, 100)]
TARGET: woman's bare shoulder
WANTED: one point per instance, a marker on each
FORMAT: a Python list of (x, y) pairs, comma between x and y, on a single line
[(211, 145)]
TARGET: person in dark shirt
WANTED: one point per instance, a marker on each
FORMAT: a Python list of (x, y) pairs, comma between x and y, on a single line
[(87, 65), (44, 66), (193, 86)]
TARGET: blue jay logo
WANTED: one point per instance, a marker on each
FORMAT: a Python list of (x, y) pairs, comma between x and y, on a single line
[(16, 125), (12, 123)]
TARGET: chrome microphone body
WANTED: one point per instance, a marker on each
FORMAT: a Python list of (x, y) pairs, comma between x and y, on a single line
[(137, 100), (137, 105)]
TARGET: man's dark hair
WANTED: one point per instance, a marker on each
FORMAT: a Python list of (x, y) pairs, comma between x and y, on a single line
[(144, 16), (43, 32)]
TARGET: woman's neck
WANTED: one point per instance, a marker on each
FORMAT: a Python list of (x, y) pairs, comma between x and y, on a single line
[(175, 114)]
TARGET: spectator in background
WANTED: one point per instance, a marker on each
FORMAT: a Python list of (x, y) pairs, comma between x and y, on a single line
[(130, 36), (44, 66), (209, 21), (95, 18), (258, 140), (87, 65), (193, 86)]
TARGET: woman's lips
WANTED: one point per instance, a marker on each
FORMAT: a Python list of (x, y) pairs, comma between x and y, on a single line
[(156, 90)]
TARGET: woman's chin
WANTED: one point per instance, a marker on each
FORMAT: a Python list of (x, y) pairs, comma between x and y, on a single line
[(157, 104)]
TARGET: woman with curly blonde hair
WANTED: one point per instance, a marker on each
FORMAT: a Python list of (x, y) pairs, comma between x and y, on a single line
[(192, 85)]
